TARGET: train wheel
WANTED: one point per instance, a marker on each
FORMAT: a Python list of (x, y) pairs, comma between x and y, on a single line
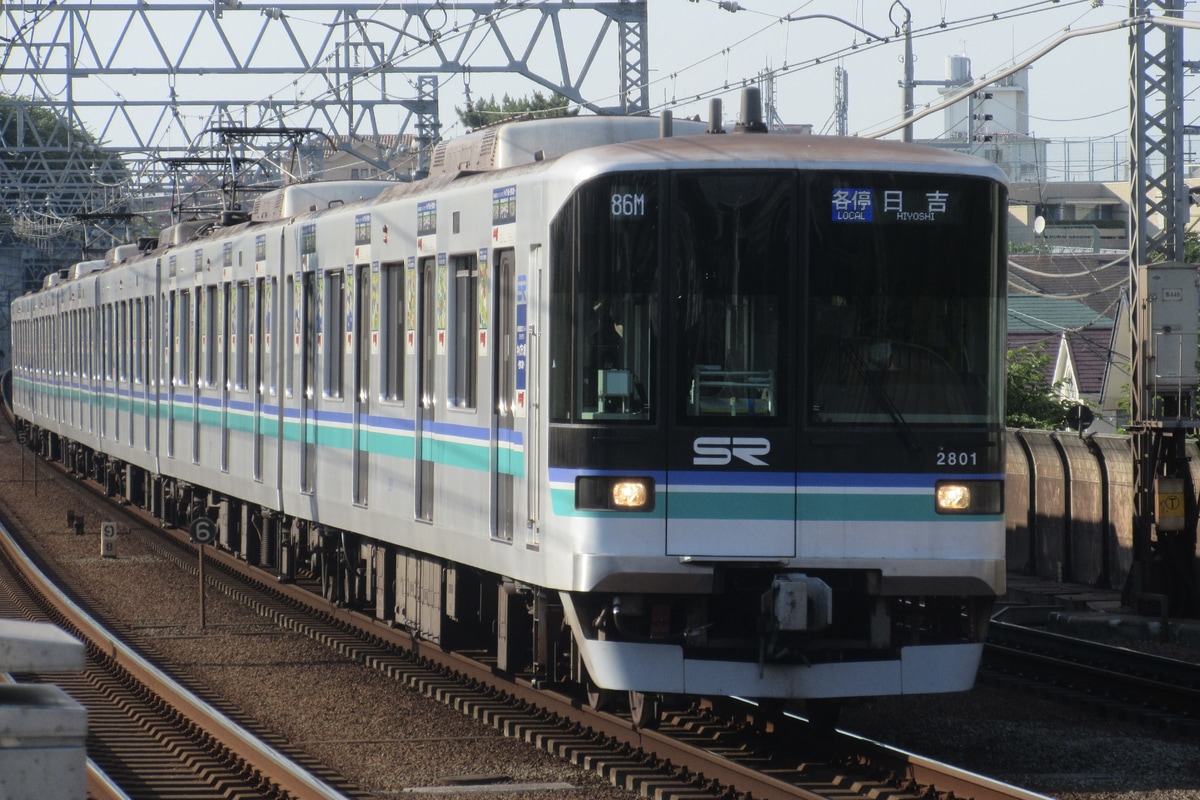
[(644, 709), (599, 699)]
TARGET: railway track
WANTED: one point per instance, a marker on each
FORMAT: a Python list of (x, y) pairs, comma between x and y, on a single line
[(146, 733), (718, 748), (1114, 680)]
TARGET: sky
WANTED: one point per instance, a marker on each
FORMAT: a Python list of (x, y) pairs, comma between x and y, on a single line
[(697, 49), (1079, 89)]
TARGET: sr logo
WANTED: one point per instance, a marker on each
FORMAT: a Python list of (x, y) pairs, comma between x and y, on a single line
[(717, 451)]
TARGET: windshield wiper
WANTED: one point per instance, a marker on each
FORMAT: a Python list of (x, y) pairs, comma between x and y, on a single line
[(883, 398)]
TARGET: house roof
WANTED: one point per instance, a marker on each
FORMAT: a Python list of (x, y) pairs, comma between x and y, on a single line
[(1052, 315), (1048, 342), (1037, 341), (1096, 280), (1087, 349), (1090, 352)]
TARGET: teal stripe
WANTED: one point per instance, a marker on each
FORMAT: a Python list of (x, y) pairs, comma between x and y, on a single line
[(454, 453), (562, 501), (463, 455), (868, 508), (736, 505)]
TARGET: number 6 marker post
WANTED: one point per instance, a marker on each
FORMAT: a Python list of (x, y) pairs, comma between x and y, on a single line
[(203, 531)]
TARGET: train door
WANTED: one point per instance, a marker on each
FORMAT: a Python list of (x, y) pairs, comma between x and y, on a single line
[(361, 354), (258, 378), (731, 451), (308, 377), (503, 407), (426, 386)]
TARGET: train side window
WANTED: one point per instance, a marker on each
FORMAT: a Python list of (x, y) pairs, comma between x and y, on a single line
[(166, 368), (392, 333), (138, 340), (93, 360), (149, 333), (122, 341), (131, 339), (334, 333), (106, 348), (290, 326), (208, 339), (184, 360), (240, 336), (167, 348), (77, 342), (113, 348), (463, 367), (110, 341), (271, 342), (126, 341), (225, 349)]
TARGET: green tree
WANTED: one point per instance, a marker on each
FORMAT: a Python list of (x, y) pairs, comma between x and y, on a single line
[(1031, 399), (1191, 250), (1028, 248), (48, 161), (1191, 247), (487, 112), (54, 173)]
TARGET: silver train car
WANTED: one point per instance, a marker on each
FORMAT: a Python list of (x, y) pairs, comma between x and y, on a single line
[(689, 415)]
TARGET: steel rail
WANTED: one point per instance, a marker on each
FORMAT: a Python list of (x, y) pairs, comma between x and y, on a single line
[(275, 766)]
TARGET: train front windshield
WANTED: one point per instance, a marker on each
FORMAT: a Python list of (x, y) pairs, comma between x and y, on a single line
[(768, 299)]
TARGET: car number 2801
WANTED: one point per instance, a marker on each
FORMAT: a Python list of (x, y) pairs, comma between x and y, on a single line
[(957, 458)]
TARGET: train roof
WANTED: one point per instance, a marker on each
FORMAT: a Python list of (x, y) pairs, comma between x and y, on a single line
[(635, 142), (794, 151), (531, 141)]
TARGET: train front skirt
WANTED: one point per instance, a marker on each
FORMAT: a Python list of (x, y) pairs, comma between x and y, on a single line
[(662, 668)]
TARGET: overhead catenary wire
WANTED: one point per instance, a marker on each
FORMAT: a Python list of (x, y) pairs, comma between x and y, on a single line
[(1118, 261), (1036, 293)]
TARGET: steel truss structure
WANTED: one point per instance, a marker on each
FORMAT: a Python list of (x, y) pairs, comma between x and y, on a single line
[(1164, 565), (146, 80), (101, 101)]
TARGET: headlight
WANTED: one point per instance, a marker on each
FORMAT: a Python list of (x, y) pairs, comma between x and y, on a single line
[(953, 497), (630, 494), (969, 497), (614, 493)]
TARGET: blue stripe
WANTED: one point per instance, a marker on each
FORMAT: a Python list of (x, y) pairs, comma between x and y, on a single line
[(460, 431), (885, 480), (785, 480), (560, 475)]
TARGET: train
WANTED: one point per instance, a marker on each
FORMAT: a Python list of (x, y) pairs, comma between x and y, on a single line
[(647, 410)]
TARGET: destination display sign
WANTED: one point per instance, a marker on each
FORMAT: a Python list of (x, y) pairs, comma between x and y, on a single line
[(850, 204)]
